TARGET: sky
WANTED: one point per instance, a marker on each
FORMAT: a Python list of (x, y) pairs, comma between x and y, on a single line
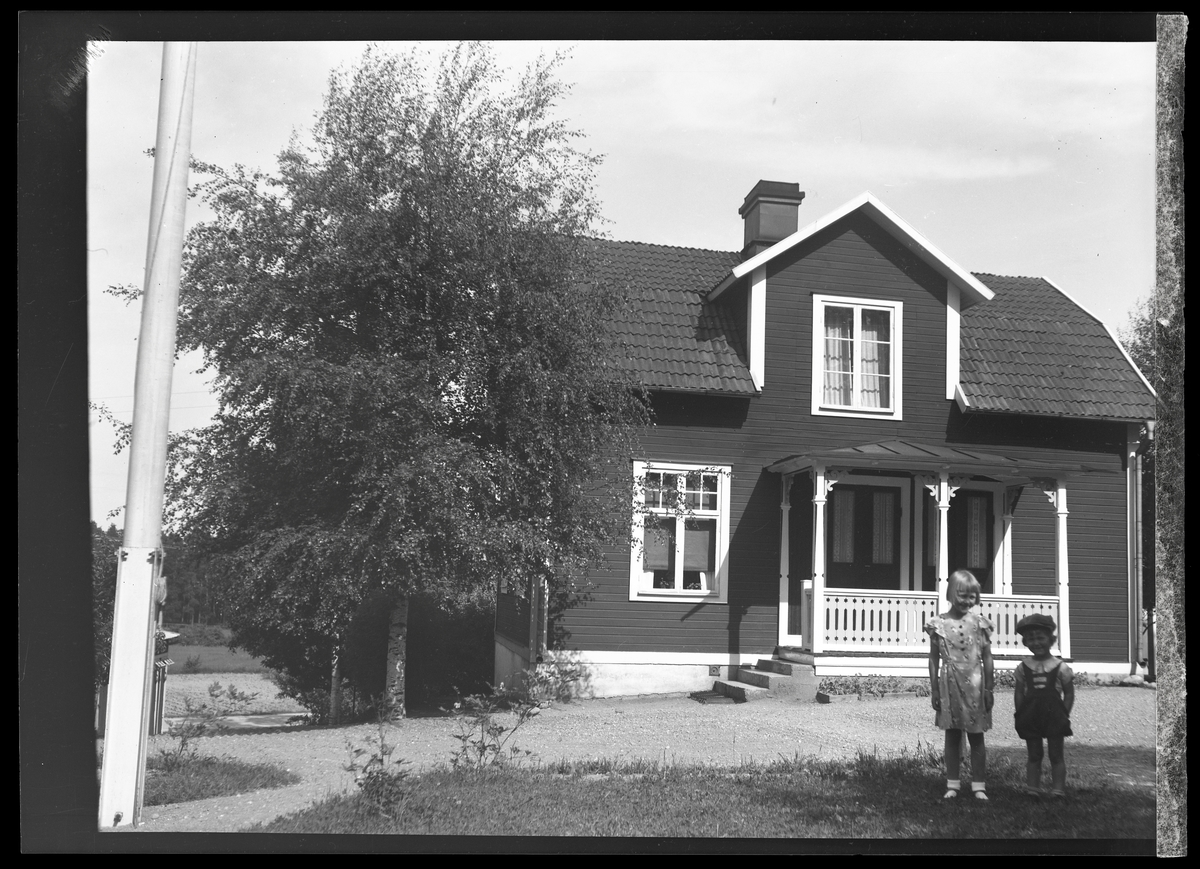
[(1014, 158)]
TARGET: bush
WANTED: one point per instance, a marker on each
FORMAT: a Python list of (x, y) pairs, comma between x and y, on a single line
[(875, 686)]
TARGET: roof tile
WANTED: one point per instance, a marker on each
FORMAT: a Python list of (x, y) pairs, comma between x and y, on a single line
[(1032, 350)]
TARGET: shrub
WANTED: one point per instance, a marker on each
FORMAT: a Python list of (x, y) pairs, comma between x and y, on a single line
[(383, 782), (874, 685)]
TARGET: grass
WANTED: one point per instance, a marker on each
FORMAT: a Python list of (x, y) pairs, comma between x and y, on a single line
[(870, 796), (199, 777), (212, 659)]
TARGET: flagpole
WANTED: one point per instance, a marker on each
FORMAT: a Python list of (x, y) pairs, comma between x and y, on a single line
[(123, 770)]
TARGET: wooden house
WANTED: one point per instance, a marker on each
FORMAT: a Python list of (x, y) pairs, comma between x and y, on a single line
[(843, 416)]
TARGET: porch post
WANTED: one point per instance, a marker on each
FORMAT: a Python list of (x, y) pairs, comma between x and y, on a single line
[(1058, 497), (1011, 496), (943, 505), (817, 642), (785, 506)]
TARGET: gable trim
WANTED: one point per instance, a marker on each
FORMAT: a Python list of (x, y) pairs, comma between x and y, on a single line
[(953, 338), (757, 325), (887, 220)]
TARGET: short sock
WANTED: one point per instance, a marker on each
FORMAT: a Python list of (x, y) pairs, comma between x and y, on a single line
[(953, 784)]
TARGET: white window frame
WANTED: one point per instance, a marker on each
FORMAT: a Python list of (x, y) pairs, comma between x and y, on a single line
[(896, 309), (641, 582)]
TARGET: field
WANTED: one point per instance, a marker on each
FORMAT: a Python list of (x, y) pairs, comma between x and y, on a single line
[(212, 659)]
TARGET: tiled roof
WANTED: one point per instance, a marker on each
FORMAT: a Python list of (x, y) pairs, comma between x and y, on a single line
[(1028, 350), (1033, 350), (675, 339)]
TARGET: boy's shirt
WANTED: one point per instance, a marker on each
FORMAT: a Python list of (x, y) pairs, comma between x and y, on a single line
[(1033, 665)]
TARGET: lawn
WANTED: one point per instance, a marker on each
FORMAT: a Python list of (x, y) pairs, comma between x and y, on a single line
[(180, 780), (866, 797), (212, 659)]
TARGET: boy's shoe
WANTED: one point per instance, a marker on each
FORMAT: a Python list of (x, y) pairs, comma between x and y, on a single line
[(1058, 795), (950, 794)]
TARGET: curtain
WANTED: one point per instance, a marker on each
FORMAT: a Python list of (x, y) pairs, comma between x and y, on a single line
[(883, 542), (658, 545), (700, 544), (839, 355), (843, 526), (976, 531), (876, 359)]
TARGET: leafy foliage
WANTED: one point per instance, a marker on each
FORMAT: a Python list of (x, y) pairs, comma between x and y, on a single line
[(105, 548), (382, 780), (484, 739), (417, 388)]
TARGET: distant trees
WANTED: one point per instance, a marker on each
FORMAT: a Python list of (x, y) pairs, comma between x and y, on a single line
[(1155, 338), (419, 392)]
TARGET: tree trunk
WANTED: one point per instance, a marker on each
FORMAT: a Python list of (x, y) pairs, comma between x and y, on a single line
[(396, 655), (335, 689)]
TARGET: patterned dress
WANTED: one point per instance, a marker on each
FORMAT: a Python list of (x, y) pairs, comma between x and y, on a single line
[(960, 677)]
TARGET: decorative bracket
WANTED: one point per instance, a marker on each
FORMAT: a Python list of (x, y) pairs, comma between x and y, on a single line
[(1049, 489)]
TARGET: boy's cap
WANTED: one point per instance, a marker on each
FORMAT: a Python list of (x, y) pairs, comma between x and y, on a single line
[(1037, 620)]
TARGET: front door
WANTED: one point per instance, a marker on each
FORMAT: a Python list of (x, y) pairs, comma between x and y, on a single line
[(971, 545), (863, 545)]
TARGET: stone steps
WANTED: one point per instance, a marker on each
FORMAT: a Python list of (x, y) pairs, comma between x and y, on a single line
[(770, 677)]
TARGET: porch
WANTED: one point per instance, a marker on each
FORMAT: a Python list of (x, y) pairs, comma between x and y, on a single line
[(879, 556)]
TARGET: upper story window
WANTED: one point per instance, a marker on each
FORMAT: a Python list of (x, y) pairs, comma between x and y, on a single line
[(680, 531), (857, 350)]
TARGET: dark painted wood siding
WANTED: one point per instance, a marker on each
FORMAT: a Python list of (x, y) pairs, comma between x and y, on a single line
[(852, 258)]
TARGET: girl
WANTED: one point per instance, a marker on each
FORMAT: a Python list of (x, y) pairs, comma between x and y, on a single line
[(961, 679), (1045, 693)]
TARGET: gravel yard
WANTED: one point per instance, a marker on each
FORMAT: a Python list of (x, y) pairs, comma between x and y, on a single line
[(1114, 733)]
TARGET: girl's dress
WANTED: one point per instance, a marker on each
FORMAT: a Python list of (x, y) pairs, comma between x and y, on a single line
[(1043, 713), (960, 678)]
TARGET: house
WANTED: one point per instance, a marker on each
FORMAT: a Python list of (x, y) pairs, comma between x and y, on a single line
[(843, 416)]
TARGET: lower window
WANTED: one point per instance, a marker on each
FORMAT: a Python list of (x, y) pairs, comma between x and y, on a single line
[(680, 531)]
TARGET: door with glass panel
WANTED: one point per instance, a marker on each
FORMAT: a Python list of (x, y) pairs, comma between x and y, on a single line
[(863, 547)]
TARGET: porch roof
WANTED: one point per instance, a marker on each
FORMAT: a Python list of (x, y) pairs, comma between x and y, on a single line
[(915, 456)]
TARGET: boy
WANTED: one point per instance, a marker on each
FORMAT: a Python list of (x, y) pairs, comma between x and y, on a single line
[(1045, 693)]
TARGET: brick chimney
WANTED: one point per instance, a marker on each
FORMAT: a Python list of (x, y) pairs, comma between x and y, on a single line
[(770, 214)]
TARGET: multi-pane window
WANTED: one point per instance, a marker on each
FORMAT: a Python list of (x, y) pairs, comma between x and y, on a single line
[(680, 530), (856, 353)]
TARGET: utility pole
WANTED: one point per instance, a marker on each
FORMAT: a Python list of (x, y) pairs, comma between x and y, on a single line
[(123, 770)]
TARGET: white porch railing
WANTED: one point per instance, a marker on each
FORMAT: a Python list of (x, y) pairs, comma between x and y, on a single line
[(858, 620)]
